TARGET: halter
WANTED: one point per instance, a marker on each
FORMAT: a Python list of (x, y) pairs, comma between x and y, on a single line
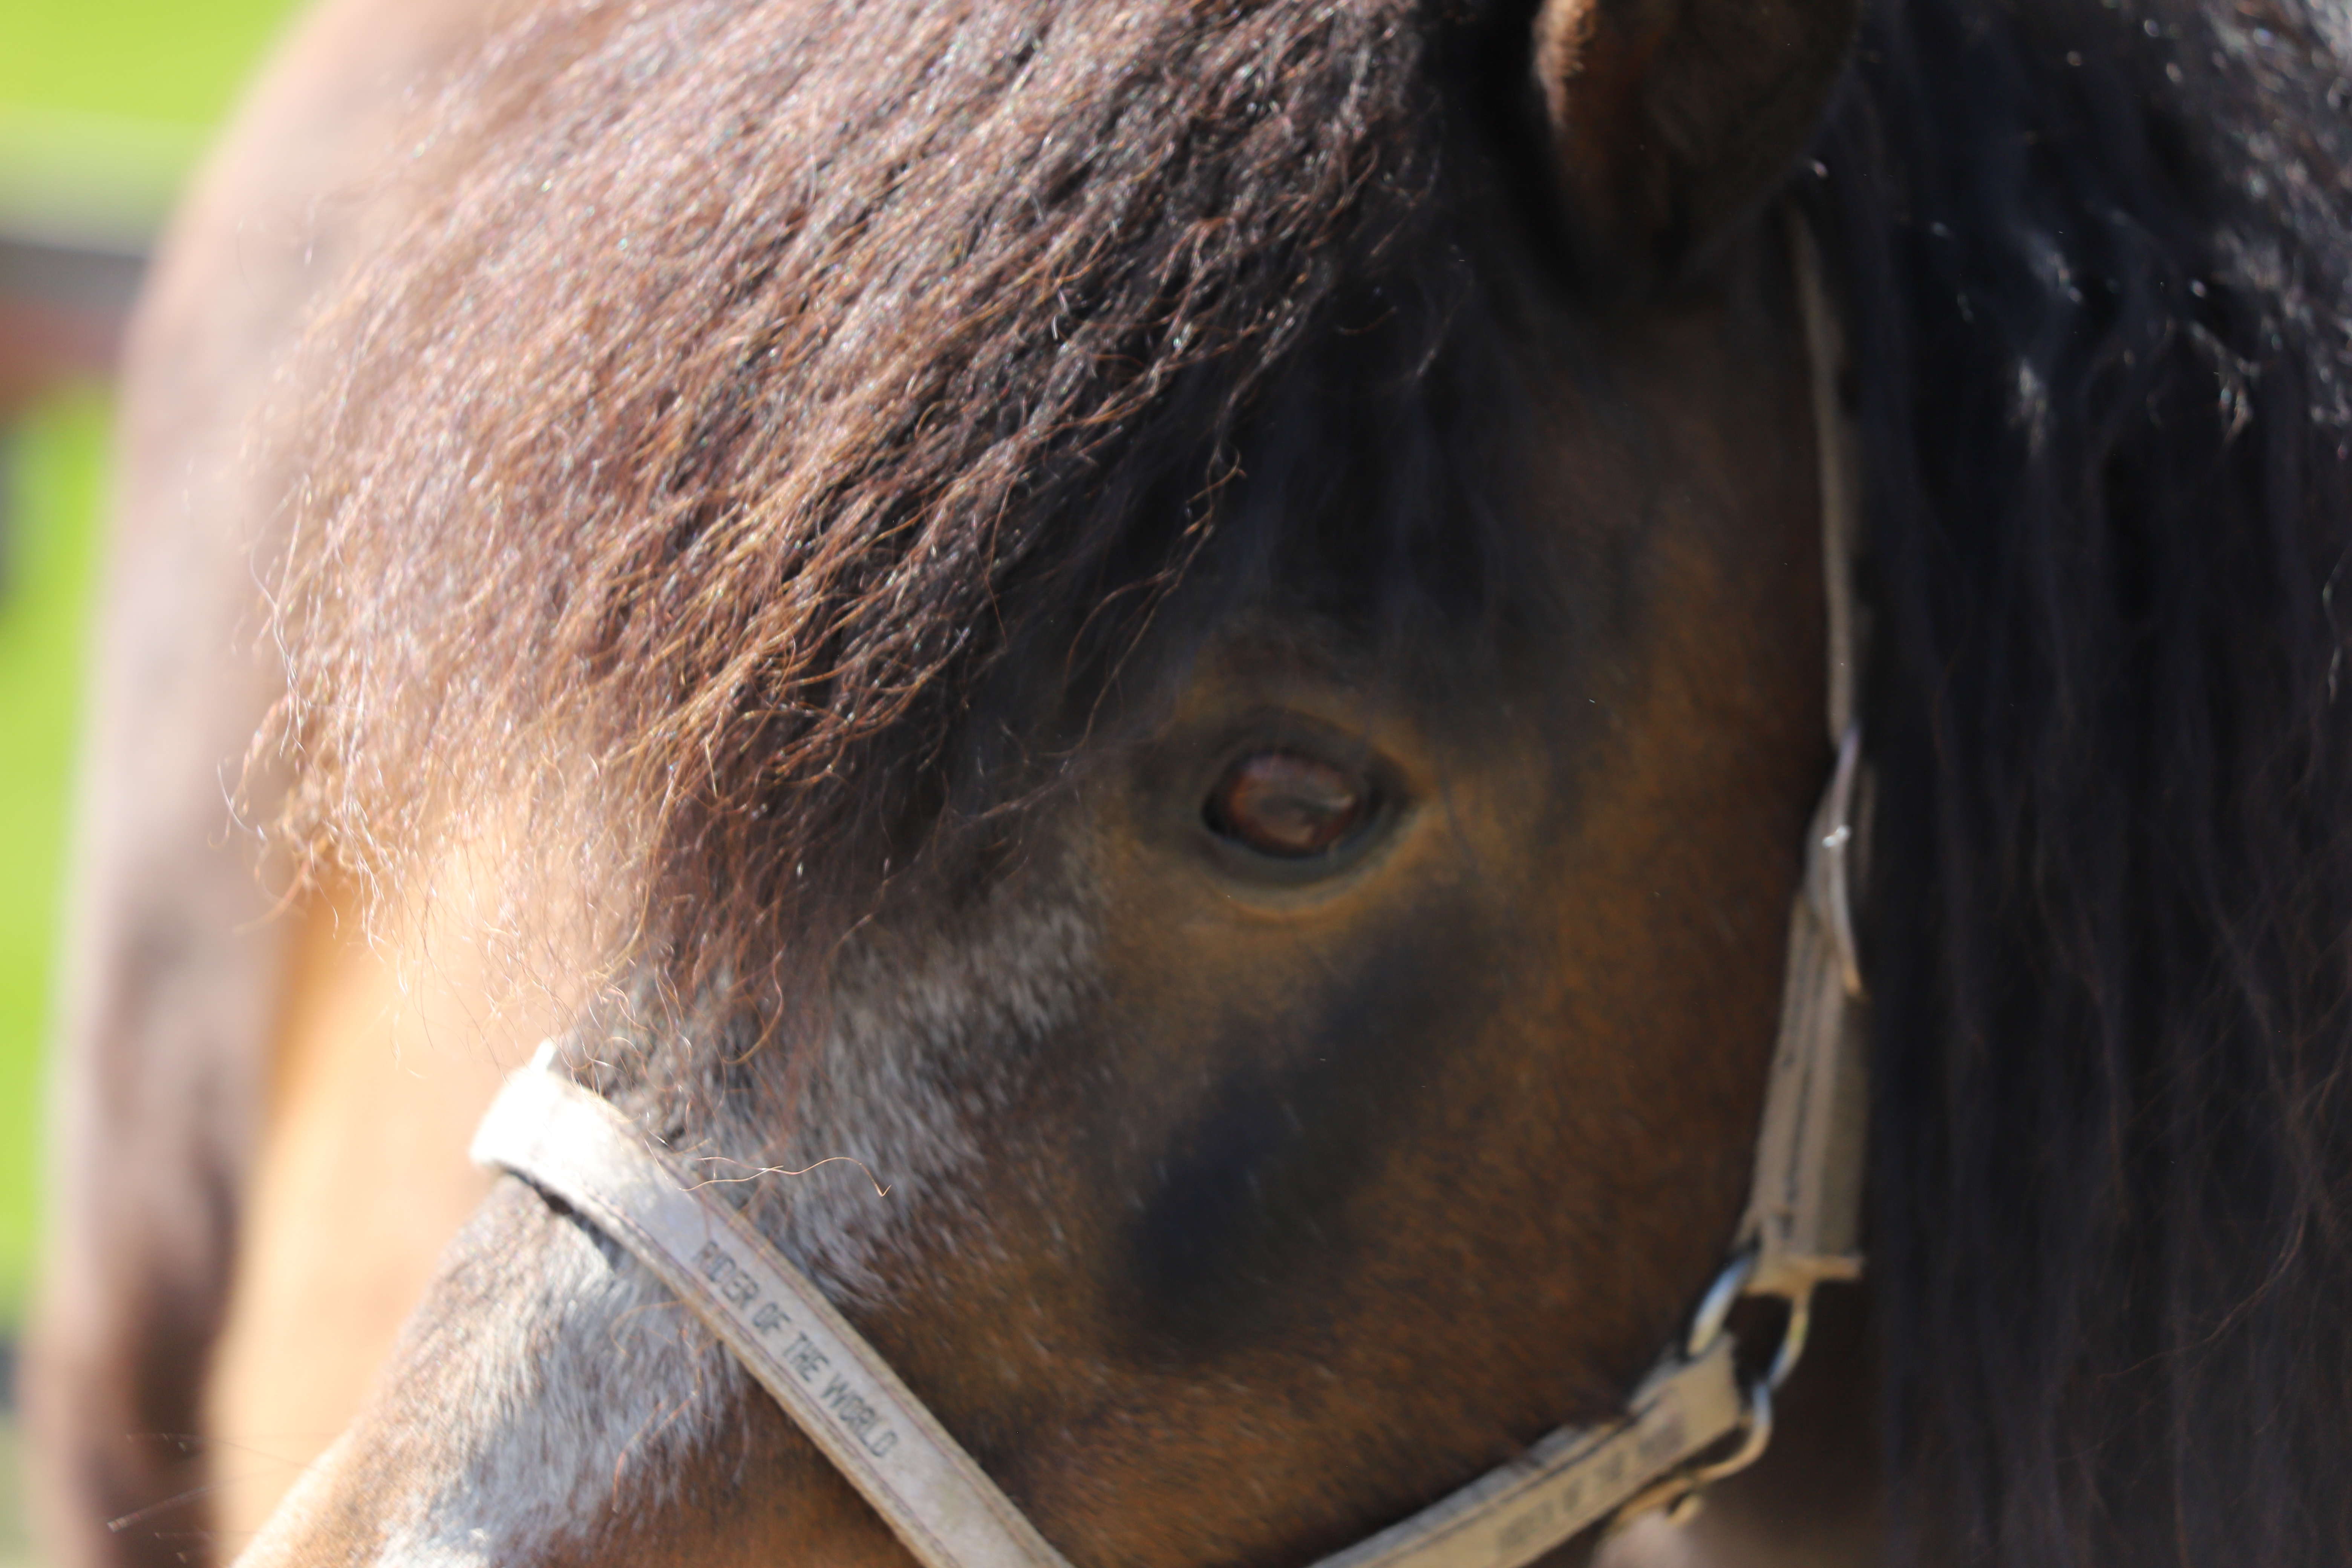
[(1700, 1415)]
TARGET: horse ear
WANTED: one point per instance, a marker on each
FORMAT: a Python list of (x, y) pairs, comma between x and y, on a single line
[(1670, 119)]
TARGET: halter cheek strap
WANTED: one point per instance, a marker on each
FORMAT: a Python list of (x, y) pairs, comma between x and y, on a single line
[(1696, 1417)]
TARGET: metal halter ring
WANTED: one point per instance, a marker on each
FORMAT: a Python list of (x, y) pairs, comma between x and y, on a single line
[(1715, 1308), (1791, 1349), (1756, 1435), (1708, 1325), (1731, 1286)]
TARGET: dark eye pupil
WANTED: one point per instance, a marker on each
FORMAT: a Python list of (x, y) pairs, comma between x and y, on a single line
[(1279, 803)]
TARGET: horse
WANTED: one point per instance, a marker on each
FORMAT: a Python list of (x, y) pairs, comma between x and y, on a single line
[(1143, 684)]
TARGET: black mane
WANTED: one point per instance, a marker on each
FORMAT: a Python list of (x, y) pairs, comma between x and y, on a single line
[(2095, 265)]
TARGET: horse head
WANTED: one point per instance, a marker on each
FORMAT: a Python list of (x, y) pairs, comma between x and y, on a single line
[(1159, 672)]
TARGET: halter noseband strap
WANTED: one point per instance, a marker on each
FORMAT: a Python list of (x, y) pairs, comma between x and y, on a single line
[(1802, 1226)]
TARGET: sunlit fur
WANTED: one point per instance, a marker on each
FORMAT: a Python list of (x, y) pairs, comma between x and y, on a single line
[(740, 429), (838, 392)]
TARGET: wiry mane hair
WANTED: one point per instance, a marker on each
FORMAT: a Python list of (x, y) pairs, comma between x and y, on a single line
[(709, 455), (2095, 259), (757, 394)]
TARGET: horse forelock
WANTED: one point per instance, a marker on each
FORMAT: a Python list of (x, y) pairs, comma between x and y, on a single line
[(752, 385)]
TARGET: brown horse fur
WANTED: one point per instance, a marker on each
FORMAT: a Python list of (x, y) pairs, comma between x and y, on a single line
[(1089, 327), (820, 491), (944, 353), (1668, 120)]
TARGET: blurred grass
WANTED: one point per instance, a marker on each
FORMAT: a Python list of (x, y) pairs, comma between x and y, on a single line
[(104, 104), (175, 61), (55, 463)]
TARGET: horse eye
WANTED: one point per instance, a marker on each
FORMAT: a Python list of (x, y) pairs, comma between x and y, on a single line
[(1287, 806)]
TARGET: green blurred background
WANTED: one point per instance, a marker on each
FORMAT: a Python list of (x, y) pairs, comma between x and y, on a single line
[(105, 106)]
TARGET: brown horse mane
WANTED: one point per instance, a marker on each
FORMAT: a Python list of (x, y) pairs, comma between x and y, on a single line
[(773, 428), (683, 482)]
